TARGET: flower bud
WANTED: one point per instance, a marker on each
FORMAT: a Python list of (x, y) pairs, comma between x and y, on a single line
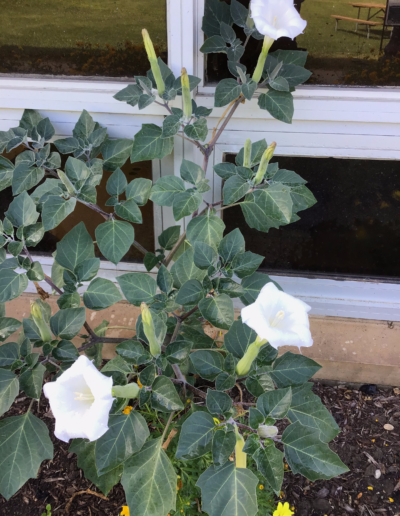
[(247, 153), (187, 101), (267, 432), (66, 182), (266, 158), (262, 58), (130, 391), (240, 456), (155, 68), (44, 330), (149, 331), (244, 364)]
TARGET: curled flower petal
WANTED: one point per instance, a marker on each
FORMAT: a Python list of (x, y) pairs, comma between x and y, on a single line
[(277, 18)]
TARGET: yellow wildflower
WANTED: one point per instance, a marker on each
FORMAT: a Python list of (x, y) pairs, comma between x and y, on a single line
[(125, 510), (216, 421), (261, 487), (370, 488), (127, 410), (283, 510), (282, 495), (138, 382), (188, 401), (391, 500)]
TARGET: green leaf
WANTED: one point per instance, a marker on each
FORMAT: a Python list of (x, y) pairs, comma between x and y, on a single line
[(191, 172), (6, 171), (238, 338), (114, 238), (224, 382), (198, 130), (133, 352), (33, 234), (279, 104), (67, 145), (296, 57), (116, 183), (84, 126), (207, 228), (279, 84), (275, 403), (138, 287), (9, 389), (178, 351), (149, 481), (165, 190), (87, 269), (227, 90), (31, 381), (30, 119), (245, 264), (15, 248), (255, 418), (214, 44), (190, 293), (11, 284), (139, 190), (225, 170), (36, 272), (257, 385), (185, 203), (9, 353), (294, 75), (75, 248), (232, 244), (22, 211), (66, 324), (24, 445), (267, 355), (126, 435), (239, 13), (184, 268), (65, 351), (228, 490), (86, 452), (223, 447), (55, 210), (218, 311), (101, 294), (117, 364), (218, 402), (309, 456), (115, 153), (164, 396), (208, 364), (169, 237), (269, 462), (148, 375), (130, 94), (25, 178), (165, 281), (196, 436), (252, 286), (249, 89), (291, 369), (234, 189), (215, 12), (302, 197), (150, 260), (149, 144), (8, 326), (204, 255), (76, 171), (171, 126), (308, 409)]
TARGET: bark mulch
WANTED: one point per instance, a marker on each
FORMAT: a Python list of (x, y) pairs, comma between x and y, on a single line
[(368, 449)]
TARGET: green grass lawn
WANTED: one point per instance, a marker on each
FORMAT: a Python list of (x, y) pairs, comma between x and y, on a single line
[(63, 23), (320, 37)]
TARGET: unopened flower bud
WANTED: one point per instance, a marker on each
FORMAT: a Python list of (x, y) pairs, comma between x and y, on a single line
[(155, 68), (187, 101), (149, 331), (262, 58), (247, 153), (129, 391), (240, 456), (267, 432), (66, 182), (244, 364), (44, 330), (266, 158)]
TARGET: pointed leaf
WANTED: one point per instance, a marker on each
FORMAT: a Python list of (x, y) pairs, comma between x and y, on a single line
[(67, 323), (275, 403), (218, 402), (75, 247), (101, 294), (22, 211), (149, 144), (11, 284), (218, 311), (208, 229), (209, 364), (196, 436), (116, 183), (292, 369), (269, 462), (9, 389), (55, 210), (138, 287), (164, 396), (184, 268), (279, 104), (114, 238)]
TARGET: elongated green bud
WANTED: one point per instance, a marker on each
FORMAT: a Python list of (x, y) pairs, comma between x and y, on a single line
[(267, 156), (66, 182), (155, 68), (130, 391), (44, 330), (148, 328), (244, 364), (262, 58), (247, 153), (240, 456), (187, 100)]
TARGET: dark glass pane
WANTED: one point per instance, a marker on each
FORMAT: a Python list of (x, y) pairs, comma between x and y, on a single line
[(354, 229), (336, 57), (80, 37), (144, 233)]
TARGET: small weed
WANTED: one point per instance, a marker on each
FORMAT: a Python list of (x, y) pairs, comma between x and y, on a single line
[(48, 510)]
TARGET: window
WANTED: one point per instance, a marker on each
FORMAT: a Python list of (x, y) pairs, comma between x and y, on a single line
[(75, 37), (347, 43)]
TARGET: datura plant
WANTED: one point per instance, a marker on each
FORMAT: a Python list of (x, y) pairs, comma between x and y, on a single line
[(194, 276)]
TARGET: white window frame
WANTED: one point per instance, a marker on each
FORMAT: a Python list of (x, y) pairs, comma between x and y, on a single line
[(336, 122)]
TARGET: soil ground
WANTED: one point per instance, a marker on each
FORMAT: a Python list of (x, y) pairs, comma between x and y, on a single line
[(363, 444)]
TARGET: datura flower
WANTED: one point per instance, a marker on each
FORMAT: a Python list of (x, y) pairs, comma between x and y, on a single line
[(278, 318), (283, 510), (277, 18), (80, 400)]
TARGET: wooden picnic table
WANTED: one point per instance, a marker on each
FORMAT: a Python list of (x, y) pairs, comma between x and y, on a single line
[(369, 6)]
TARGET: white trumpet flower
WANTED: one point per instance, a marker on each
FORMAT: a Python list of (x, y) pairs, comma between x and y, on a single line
[(279, 318), (80, 400), (277, 18)]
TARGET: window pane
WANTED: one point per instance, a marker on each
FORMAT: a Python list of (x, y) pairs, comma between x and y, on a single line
[(144, 233), (354, 229), (336, 57), (80, 37)]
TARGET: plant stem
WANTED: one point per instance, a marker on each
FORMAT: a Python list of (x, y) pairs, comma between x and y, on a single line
[(171, 416), (212, 143), (168, 259), (189, 386)]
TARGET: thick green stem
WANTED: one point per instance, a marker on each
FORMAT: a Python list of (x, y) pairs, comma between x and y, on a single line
[(262, 58)]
